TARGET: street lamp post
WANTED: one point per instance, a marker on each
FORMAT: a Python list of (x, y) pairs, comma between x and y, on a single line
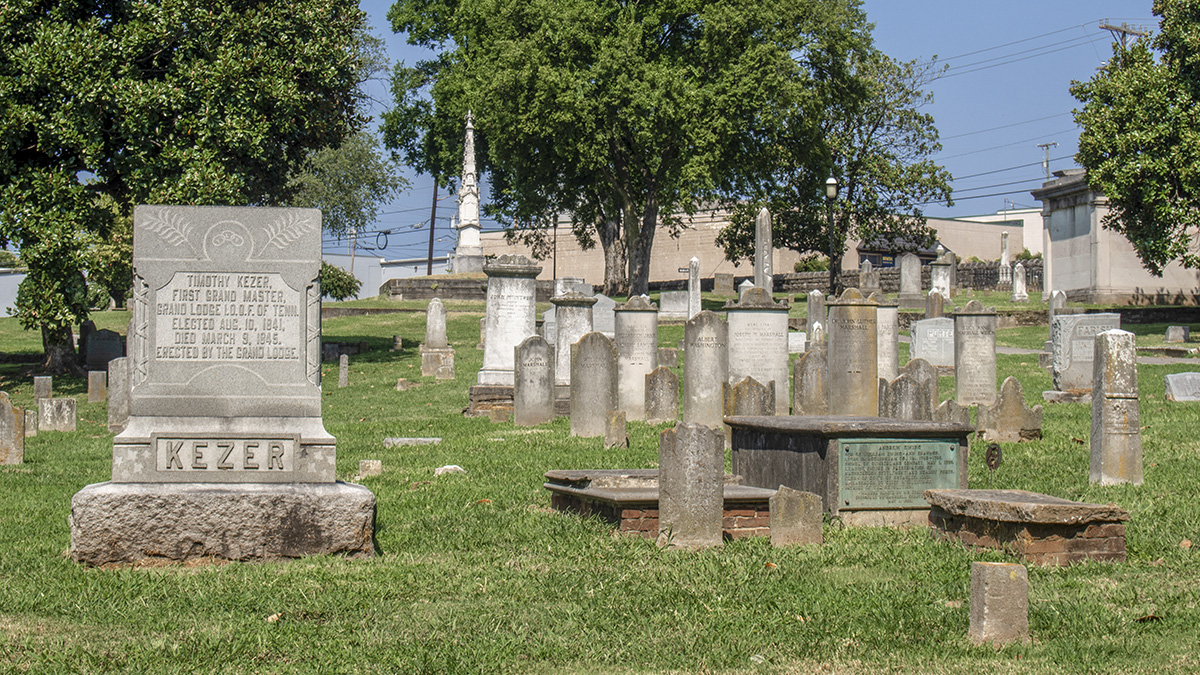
[(831, 193)]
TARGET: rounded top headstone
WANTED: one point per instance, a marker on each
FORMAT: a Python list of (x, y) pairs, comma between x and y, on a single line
[(975, 307), (511, 266), (638, 303), (755, 298), (879, 298), (852, 296)]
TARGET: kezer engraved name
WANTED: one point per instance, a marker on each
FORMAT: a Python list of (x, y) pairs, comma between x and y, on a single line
[(227, 317), (266, 455)]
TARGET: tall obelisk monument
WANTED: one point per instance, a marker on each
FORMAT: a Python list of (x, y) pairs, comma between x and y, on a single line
[(468, 256)]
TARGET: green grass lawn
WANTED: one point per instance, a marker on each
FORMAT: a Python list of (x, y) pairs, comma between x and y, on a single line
[(479, 575)]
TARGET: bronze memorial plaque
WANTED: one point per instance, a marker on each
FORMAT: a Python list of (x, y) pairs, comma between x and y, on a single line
[(894, 473)]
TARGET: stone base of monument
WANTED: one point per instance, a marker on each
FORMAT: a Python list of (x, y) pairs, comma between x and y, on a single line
[(628, 499), (911, 300), (437, 363), (1037, 528), (868, 470), (129, 523), (481, 398), (468, 264), (1073, 396)]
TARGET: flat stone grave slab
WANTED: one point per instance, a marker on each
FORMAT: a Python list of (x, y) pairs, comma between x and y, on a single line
[(1183, 386), (868, 470), (394, 442), (1037, 528), (628, 499)]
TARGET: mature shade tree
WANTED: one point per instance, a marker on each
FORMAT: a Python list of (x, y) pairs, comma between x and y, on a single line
[(348, 183), (1140, 141), (621, 114), (161, 101), (878, 144), (337, 283)]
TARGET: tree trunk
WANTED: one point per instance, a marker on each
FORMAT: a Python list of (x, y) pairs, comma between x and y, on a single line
[(614, 259), (59, 347), (640, 247)]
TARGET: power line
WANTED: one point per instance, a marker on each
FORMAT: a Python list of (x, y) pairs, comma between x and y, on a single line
[(1014, 42), (1005, 126), (1079, 39), (1010, 168), (1005, 63), (1007, 145)]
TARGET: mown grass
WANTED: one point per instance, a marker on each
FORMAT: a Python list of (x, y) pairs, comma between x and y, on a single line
[(479, 575)]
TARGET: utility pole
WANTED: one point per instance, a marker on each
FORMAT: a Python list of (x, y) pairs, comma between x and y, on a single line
[(353, 246), (1046, 161), (432, 217), (1123, 31)]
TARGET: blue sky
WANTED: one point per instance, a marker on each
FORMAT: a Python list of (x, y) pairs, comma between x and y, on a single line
[(1011, 64)]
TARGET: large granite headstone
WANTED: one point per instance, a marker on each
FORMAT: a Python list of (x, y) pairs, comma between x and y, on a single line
[(637, 353), (1116, 442), (593, 383), (533, 389), (853, 383), (225, 454), (911, 296), (933, 341), (705, 369), (975, 355), (758, 347), (1073, 338), (12, 432)]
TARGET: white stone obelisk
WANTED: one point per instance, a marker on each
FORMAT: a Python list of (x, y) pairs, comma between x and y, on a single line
[(468, 255)]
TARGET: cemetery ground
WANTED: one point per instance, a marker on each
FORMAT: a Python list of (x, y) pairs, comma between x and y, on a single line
[(476, 573)]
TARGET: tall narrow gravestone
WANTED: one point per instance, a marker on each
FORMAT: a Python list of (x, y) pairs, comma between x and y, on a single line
[(511, 294), (12, 432), (939, 276), (764, 251), (887, 331), (437, 357), (533, 391), (662, 396), (573, 314), (693, 288), (118, 394), (810, 372), (225, 454), (1116, 443), (637, 354), (816, 312), (691, 471), (911, 296), (1019, 294), (853, 384), (758, 343), (975, 355), (705, 369), (593, 384)]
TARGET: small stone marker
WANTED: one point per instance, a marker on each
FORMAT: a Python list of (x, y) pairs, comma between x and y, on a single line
[(810, 373), (437, 357), (637, 353), (797, 342), (615, 435), (723, 284), (397, 442), (370, 467), (1178, 334), (118, 394), (343, 371), (691, 461), (853, 360), (97, 386), (750, 397), (887, 322), (499, 414), (12, 432), (910, 282), (935, 304), (402, 384), (693, 287), (905, 398), (796, 518), (668, 356), (31, 423), (593, 384), (816, 312), (1116, 443), (43, 387), (758, 342), (999, 603), (868, 278), (662, 396), (975, 355), (764, 251), (1073, 338), (1019, 294), (1010, 420), (1183, 386), (533, 388), (56, 414), (950, 411), (673, 305), (705, 369), (743, 287)]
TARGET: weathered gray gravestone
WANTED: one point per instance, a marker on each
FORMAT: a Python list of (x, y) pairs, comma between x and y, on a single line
[(816, 311), (1178, 334), (926, 375), (935, 305), (853, 364), (975, 355), (905, 398), (573, 314), (933, 341), (43, 387), (615, 435), (1019, 294), (593, 384), (999, 603), (705, 369), (887, 327), (939, 275), (758, 342), (668, 356), (510, 314), (693, 289), (797, 342), (637, 353), (533, 387), (1006, 272), (911, 296), (103, 346), (56, 414), (118, 394), (764, 251), (949, 411), (662, 395), (1058, 300), (1073, 339), (723, 284), (437, 357), (97, 385), (603, 317), (673, 305), (1183, 386), (796, 518), (691, 471), (1010, 420), (12, 432), (868, 278), (810, 372), (1116, 443), (225, 453), (749, 397), (31, 425), (343, 371)]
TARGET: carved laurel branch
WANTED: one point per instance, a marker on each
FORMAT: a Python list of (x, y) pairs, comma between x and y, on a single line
[(141, 329), (171, 227), (313, 351), (287, 229)]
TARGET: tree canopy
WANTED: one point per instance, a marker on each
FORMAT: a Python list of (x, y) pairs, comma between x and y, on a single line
[(622, 114), (1140, 141), (164, 101), (878, 145)]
